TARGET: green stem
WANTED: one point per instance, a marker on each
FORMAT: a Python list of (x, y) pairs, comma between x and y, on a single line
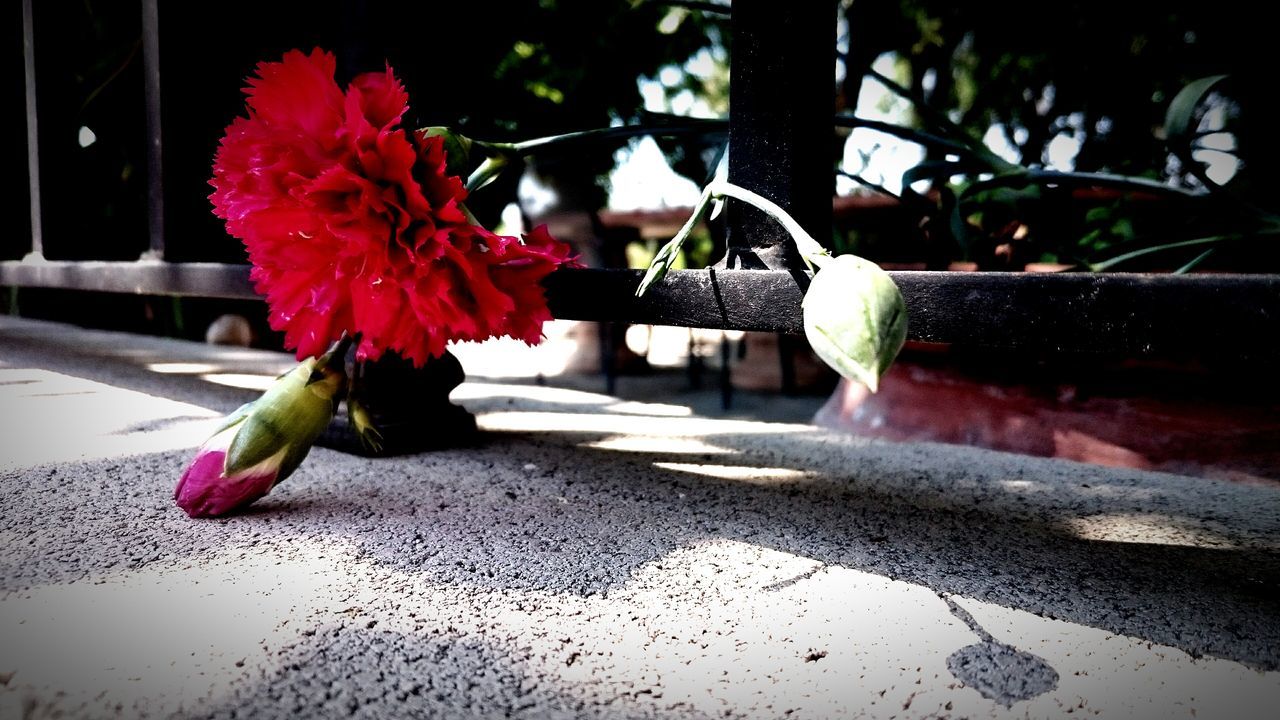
[(1051, 177), (501, 154), (870, 185), (1108, 264), (941, 122), (485, 174), (811, 251), (919, 137), (466, 212), (336, 357), (1200, 172), (691, 126)]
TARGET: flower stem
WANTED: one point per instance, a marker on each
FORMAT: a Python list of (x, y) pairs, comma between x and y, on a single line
[(1081, 179), (940, 121), (690, 126), (501, 154), (928, 140), (335, 360), (337, 354), (486, 173), (811, 251)]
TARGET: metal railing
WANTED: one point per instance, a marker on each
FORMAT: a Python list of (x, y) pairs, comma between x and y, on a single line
[(779, 130)]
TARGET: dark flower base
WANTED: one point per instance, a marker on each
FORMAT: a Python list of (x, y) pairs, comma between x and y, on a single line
[(409, 405)]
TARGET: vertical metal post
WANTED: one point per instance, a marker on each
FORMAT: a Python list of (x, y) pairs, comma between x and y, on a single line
[(782, 96), (155, 165), (781, 102), (33, 145)]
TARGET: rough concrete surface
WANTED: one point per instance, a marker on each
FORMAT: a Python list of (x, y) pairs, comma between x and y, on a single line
[(593, 556)]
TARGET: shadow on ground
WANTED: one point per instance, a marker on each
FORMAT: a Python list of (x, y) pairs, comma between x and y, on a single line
[(521, 512)]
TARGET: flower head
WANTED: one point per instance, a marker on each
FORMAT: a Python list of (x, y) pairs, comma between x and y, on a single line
[(263, 442), (355, 225)]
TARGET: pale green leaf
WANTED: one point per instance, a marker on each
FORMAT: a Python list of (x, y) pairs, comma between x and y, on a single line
[(1182, 110)]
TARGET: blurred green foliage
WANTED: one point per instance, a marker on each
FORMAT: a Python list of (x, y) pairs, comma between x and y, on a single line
[(1104, 75), (497, 71)]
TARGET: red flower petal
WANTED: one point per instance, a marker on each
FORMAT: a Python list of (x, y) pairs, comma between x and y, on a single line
[(355, 226), (381, 98), (298, 93)]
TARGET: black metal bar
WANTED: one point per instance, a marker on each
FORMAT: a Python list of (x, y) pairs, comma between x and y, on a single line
[(1212, 315), (145, 277), (782, 100), (33, 144), (718, 299), (155, 165), (1141, 314)]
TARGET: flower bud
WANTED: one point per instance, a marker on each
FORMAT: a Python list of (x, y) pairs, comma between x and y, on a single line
[(457, 149), (207, 490), (854, 318), (262, 443)]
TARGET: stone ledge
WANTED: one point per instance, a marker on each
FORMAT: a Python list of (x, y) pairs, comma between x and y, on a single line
[(600, 556)]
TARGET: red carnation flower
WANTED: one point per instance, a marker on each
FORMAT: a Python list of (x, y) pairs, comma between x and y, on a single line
[(354, 225)]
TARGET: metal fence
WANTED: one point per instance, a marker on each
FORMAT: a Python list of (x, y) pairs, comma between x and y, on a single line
[(780, 125)]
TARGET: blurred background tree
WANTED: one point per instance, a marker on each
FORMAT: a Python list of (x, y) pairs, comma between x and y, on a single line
[(1081, 86), (503, 71)]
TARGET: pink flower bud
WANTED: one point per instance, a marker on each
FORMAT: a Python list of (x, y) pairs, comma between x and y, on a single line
[(264, 441), (206, 490)]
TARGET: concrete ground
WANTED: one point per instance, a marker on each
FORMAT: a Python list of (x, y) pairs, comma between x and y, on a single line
[(596, 556)]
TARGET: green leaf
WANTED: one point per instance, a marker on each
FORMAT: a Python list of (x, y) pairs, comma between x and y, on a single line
[(258, 439), (1108, 264), (1194, 262), (1098, 214), (361, 421), (292, 459), (855, 318), (1182, 110), (236, 416), (666, 255), (955, 220)]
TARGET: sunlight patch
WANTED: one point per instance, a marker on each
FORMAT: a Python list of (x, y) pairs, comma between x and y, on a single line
[(669, 445), (481, 390), (1150, 529), (51, 417), (240, 380), (519, 421), (744, 473), (181, 368)]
